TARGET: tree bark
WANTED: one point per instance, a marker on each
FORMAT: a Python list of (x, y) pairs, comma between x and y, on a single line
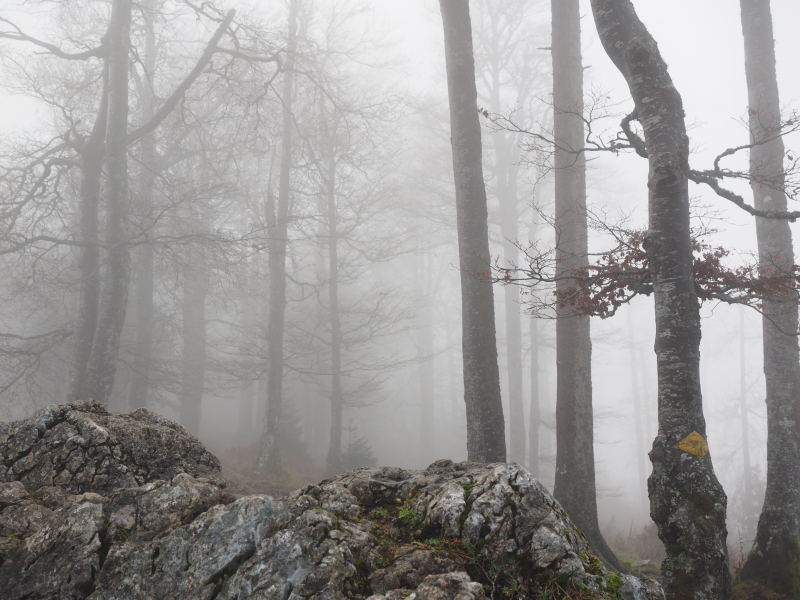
[(193, 366), (686, 500), (485, 422), (775, 558), (270, 455), (102, 364), (574, 484)]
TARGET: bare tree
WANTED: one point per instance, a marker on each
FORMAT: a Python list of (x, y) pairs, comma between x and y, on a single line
[(269, 455), (485, 422), (687, 502), (575, 484), (773, 560)]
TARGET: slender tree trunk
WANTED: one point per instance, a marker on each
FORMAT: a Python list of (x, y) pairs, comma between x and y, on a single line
[(425, 367), (747, 478), (334, 460), (143, 298), (575, 473), (510, 232), (775, 558), (194, 340), (535, 411), (102, 365), (686, 500), (485, 422), (270, 455), (249, 320), (636, 397), (89, 264)]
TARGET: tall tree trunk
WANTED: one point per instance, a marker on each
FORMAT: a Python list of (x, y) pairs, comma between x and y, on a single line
[(636, 398), (686, 500), (89, 264), (510, 231), (485, 423), (775, 557), (102, 365), (334, 460), (535, 415), (249, 321), (575, 473), (143, 298), (747, 478), (193, 365), (270, 454)]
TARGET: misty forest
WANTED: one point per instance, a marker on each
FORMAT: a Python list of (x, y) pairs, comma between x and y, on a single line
[(535, 253)]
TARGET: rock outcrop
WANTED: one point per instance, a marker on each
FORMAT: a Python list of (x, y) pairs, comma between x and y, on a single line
[(121, 527)]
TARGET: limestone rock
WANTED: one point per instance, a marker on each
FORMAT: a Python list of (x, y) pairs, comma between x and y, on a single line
[(81, 447), (131, 507)]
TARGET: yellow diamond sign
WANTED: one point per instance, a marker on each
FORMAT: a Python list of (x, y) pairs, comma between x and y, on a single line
[(694, 443)]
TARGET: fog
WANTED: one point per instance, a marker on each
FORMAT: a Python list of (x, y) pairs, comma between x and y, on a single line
[(371, 156)]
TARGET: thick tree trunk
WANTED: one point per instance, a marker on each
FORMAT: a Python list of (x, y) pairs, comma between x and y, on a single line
[(485, 422), (193, 365), (102, 365), (575, 473), (686, 500), (270, 455), (143, 298), (775, 557), (89, 264)]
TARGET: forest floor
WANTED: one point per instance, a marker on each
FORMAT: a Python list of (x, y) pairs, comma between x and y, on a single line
[(244, 479)]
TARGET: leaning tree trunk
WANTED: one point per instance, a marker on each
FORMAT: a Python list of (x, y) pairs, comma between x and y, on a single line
[(270, 456), (775, 558), (535, 414), (89, 264), (193, 362), (575, 474), (102, 364), (485, 423), (686, 500)]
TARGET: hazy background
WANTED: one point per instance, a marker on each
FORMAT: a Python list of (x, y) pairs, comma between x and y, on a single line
[(702, 42)]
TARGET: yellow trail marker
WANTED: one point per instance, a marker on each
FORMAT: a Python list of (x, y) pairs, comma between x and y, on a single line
[(694, 443)]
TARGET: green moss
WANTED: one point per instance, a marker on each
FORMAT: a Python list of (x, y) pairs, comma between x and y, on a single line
[(776, 570)]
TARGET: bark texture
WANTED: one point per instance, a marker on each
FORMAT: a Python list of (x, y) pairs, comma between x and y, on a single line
[(575, 474), (102, 364), (270, 454), (775, 558), (485, 422), (686, 500)]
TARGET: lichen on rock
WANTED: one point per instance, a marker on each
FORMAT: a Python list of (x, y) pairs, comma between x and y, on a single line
[(168, 529)]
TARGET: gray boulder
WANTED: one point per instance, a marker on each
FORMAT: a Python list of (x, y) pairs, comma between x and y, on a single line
[(81, 447), (169, 530)]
